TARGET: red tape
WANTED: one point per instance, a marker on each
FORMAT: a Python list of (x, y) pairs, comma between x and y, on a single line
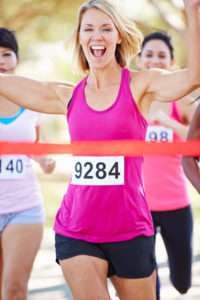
[(104, 148)]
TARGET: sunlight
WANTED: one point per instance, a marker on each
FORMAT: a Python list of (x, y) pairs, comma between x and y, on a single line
[(178, 3), (132, 7)]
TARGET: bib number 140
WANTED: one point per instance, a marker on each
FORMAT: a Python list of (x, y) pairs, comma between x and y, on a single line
[(12, 167), (98, 170)]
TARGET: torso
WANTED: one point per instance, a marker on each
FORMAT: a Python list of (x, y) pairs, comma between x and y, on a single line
[(165, 182), (19, 187), (111, 119)]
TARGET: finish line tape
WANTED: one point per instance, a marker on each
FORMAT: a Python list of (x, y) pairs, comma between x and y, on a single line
[(104, 148)]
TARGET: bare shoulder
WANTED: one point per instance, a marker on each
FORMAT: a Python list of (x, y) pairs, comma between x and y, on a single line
[(142, 88), (142, 80), (138, 83), (63, 90)]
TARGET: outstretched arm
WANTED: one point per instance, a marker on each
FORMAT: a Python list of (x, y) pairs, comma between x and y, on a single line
[(46, 97), (190, 164), (163, 85)]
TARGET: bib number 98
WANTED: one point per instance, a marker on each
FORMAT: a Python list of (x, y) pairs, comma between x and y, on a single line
[(159, 134), (98, 170)]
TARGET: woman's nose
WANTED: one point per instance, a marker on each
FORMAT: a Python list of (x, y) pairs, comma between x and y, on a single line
[(155, 60), (97, 36)]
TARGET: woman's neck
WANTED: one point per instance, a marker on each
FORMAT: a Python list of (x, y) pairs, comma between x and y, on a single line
[(8, 109), (101, 78)]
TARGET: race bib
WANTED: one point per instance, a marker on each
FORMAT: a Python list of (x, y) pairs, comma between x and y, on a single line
[(12, 167), (98, 170), (159, 134)]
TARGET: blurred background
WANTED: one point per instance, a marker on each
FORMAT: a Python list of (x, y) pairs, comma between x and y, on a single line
[(42, 26)]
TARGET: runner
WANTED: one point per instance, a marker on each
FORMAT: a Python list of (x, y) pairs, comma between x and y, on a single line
[(104, 226), (191, 164), (21, 208), (165, 183)]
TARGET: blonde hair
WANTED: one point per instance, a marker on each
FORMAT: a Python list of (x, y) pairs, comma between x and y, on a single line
[(131, 37)]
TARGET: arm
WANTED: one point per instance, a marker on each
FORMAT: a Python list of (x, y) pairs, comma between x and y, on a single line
[(163, 119), (46, 163), (162, 85), (46, 97), (187, 107), (190, 164)]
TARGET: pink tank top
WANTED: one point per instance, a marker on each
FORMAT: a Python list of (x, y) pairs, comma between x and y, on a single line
[(165, 182), (109, 205)]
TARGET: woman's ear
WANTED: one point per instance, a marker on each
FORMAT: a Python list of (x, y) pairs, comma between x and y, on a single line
[(119, 40)]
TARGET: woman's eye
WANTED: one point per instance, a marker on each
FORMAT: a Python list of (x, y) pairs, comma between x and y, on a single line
[(106, 29), (88, 29), (7, 54)]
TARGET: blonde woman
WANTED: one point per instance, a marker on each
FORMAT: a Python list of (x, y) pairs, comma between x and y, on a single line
[(104, 227)]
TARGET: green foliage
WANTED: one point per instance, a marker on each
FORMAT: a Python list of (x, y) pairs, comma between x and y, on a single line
[(50, 21)]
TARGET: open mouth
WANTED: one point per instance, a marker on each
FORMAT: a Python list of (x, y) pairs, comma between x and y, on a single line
[(2, 70), (98, 51)]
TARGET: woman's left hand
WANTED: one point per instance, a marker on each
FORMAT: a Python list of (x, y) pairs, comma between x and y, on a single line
[(160, 117), (47, 164)]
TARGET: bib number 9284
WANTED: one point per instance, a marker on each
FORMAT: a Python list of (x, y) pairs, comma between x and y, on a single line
[(93, 170), (12, 167)]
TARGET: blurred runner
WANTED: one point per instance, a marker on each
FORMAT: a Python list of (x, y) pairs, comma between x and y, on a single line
[(21, 205)]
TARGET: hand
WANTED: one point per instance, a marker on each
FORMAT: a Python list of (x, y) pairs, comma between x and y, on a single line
[(160, 117), (47, 164)]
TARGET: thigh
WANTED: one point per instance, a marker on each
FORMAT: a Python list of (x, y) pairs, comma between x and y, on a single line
[(84, 267), (135, 289), (86, 277), (20, 243)]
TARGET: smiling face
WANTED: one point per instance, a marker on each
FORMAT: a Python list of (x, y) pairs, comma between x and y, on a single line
[(155, 54), (98, 37), (8, 60)]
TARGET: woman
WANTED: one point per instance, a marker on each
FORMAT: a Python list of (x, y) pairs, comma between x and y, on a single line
[(165, 183), (21, 208), (191, 164), (104, 227)]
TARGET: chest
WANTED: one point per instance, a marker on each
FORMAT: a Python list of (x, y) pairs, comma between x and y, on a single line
[(121, 120), (21, 129), (101, 99)]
